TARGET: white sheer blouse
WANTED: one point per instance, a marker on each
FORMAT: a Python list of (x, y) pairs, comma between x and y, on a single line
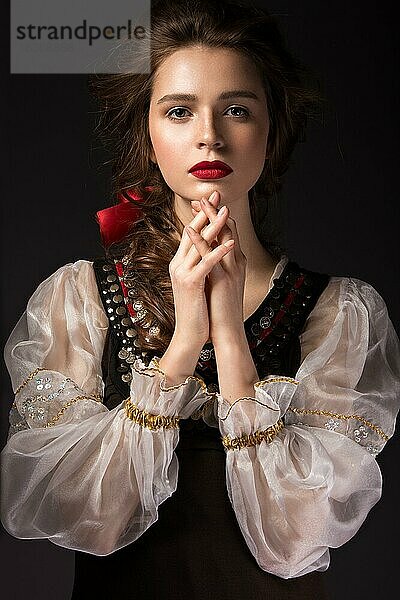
[(91, 479)]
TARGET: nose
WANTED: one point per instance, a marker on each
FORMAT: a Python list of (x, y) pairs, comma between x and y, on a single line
[(209, 133)]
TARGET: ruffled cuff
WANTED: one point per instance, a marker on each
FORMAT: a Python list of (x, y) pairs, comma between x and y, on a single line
[(149, 391), (248, 415)]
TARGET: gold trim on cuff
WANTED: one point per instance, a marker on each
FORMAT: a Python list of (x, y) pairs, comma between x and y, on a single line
[(173, 387), (270, 379), (327, 413), (149, 420), (246, 398), (252, 439)]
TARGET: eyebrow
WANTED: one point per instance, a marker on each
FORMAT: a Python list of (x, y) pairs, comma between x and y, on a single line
[(223, 96)]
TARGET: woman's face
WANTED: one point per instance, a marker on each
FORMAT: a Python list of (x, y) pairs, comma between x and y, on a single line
[(205, 127)]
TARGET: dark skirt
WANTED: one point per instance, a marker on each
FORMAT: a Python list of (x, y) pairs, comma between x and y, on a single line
[(195, 549)]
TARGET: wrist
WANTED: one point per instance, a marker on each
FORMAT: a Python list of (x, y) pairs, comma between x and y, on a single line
[(179, 360), (184, 346), (236, 369), (230, 338)]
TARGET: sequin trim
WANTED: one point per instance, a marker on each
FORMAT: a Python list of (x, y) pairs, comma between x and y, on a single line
[(28, 379), (252, 439), (97, 397), (304, 411), (149, 420)]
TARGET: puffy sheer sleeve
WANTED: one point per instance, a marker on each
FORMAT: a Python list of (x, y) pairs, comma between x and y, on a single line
[(84, 477), (301, 466)]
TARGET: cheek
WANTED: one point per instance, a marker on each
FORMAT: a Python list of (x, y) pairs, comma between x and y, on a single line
[(169, 151), (253, 151), (253, 139)]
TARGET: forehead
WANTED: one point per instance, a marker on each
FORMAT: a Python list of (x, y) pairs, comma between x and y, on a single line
[(206, 69)]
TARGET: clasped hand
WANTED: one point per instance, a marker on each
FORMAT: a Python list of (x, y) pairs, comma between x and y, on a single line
[(224, 287)]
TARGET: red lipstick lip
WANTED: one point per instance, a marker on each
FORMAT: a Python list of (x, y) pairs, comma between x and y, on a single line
[(210, 173), (213, 165)]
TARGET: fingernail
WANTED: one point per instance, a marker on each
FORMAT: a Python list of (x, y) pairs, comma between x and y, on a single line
[(212, 197), (221, 211)]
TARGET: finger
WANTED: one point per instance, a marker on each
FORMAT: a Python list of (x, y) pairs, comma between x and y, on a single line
[(200, 245), (228, 231), (215, 201), (210, 231), (210, 235), (209, 208), (200, 220), (210, 258), (198, 223), (231, 230)]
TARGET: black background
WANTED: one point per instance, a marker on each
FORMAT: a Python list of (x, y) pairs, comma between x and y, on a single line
[(341, 216)]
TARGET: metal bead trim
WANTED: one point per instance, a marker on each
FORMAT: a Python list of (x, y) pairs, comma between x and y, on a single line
[(252, 439), (270, 379), (149, 420)]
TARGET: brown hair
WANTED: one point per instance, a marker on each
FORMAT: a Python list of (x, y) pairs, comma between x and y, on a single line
[(124, 100)]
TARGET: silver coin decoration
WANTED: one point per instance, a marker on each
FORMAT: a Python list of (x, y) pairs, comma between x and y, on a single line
[(265, 322), (121, 321)]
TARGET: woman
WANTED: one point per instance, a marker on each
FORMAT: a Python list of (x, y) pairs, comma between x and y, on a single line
[(202, 414)]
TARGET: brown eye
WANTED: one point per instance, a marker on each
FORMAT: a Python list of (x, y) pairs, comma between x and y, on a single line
[(245, 113), (174, 110)]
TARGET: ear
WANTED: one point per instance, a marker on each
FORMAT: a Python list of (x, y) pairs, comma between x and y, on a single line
[(153, 156)]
